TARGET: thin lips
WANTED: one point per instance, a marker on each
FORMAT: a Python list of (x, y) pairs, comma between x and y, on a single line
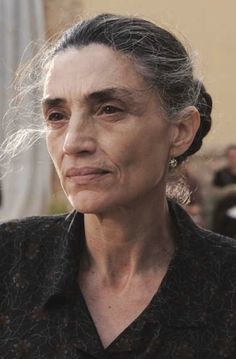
[(72, 172)]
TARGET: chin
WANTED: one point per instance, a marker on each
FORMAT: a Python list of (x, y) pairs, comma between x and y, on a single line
[(89, 202)]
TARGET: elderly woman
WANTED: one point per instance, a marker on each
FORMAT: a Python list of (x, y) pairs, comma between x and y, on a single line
[(127, 274)]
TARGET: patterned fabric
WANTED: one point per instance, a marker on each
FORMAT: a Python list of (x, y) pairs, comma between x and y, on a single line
[(43, 313)]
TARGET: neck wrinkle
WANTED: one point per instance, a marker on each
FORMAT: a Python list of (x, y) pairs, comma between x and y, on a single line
[(121, 247)]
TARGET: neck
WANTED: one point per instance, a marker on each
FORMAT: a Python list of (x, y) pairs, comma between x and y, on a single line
[(129, 241)]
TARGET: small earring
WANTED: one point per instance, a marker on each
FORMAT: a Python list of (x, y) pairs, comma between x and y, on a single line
[(173, 162)]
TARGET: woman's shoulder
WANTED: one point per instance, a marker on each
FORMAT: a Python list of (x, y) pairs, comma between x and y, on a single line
[(223, 250), (218, 245), (25, 235), (29, 225), (203, 245), (216, 255)]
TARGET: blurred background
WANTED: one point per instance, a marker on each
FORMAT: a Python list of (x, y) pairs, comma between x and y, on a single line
[(206, 27)]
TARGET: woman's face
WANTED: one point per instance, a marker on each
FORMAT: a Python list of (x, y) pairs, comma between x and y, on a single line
[(106, 135)]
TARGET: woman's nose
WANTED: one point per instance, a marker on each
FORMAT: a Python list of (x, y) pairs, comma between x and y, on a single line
[(80, 136)]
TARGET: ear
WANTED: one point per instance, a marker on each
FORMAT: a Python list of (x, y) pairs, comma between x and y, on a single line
[(184, 131)]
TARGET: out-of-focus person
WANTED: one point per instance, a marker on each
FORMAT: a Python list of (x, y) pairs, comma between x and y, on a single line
[(227, 175), (224, 213)]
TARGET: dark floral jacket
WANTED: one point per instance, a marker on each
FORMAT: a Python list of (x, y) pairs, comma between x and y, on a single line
[(43, 314)]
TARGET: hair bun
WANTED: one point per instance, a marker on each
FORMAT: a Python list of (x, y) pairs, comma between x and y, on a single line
[(204, 106)]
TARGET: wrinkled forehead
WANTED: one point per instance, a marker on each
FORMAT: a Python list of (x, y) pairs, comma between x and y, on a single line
[(91, 68)]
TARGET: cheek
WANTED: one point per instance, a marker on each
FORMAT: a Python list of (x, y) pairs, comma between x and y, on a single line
[(55, 149), (148, 147), (145, 154)]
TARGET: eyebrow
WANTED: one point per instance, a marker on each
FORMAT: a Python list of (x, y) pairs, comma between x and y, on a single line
[(99, 96), (111, 94), (51, 102)]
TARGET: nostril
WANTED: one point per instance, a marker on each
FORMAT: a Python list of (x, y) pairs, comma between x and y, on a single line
[(79, 146)]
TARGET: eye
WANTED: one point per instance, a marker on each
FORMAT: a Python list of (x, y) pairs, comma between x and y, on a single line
[(55, 117), (109, 110)]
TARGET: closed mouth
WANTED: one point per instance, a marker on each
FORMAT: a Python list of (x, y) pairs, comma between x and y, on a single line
[(85, 174), (85, 171)]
